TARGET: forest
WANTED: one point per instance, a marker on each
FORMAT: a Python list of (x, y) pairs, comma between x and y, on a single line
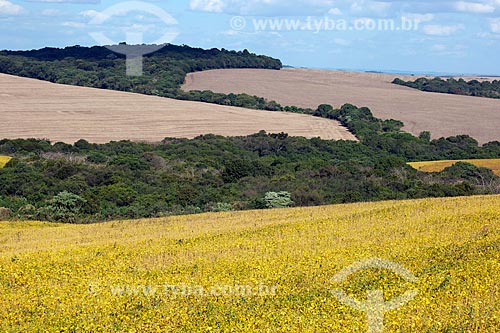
[(84, 182), (490, 89)]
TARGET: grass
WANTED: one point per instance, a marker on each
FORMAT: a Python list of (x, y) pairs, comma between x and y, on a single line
[(135, 276), (4, 160), (437, 166)]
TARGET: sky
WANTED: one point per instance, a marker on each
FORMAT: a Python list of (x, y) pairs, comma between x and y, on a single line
[(421, 36)]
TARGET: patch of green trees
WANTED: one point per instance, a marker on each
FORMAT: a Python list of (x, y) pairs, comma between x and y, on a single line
[(490, 89)]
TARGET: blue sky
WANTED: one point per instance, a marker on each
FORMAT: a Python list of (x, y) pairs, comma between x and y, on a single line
[(445, 35)]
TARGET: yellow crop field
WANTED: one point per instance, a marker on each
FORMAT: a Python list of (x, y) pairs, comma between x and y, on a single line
[(437, 166), (4, 160), (438, 260)]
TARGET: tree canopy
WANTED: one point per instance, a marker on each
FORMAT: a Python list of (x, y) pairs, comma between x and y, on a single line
[(490, 89)]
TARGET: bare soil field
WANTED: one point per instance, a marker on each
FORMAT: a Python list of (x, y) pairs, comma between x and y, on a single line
[(442, 114), (37, 109)]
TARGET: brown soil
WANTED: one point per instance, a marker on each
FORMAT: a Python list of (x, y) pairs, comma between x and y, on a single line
[(442, 114), (37, 109)]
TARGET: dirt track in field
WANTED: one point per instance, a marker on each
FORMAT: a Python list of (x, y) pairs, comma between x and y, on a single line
[(442, 114), (37, 109)]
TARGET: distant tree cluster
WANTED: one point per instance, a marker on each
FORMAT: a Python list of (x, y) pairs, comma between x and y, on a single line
[(490, 89), (164, 70)]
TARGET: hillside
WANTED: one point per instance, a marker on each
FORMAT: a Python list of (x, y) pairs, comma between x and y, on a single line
[(256, 271), (33, 108), (443, 115)]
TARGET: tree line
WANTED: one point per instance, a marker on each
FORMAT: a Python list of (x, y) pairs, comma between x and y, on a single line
[(490, 89)]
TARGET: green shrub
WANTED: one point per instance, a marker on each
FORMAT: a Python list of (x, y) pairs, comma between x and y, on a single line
[(281, 199), (222, 207), (64, 207)]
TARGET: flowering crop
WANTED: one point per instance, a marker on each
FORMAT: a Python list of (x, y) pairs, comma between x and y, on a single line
[(158, 275), (437, 166), (4, 160)]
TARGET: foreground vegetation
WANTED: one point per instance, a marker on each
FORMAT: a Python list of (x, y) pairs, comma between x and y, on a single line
[(437, 166), (122, 276), (453, 86)]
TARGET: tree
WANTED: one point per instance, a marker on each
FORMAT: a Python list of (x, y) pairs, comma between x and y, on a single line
[(425, 136), (64, 207), (278, 199), (324, 111)]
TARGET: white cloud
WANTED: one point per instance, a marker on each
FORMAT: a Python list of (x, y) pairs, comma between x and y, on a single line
[(421, 18), (439, 47), (72, 24), (342, 42), (8, 8), (442, 30), (474, 7), (495, 25), (231, 32), (370, 7), (266, 7), (335, 11), (214, 6), (50, 12), (93, 14)]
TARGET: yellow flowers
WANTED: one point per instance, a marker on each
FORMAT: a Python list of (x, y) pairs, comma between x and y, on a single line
[(113, 277), (437, 166), (4, 160)]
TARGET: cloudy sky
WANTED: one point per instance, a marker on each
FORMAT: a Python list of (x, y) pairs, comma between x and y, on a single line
[(445, 36)]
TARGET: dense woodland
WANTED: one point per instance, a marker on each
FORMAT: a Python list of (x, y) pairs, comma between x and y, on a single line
[(164, 70), (87, 182), (490, 89)]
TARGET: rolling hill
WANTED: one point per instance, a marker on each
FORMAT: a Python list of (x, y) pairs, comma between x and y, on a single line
[(37, 109), (257, 271), (443, 115)]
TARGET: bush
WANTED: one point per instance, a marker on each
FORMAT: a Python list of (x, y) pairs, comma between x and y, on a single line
[(64, 207), (278, 199), (222, 207)]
